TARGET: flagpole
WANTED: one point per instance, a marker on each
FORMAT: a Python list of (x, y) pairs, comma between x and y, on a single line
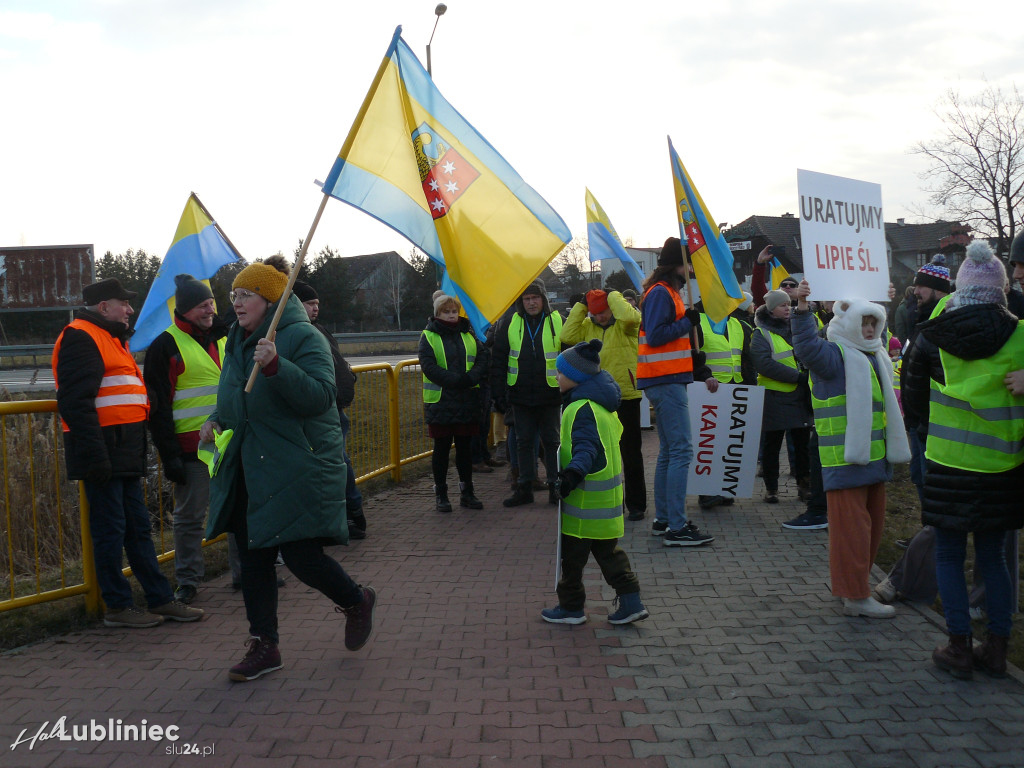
[(272, 331)]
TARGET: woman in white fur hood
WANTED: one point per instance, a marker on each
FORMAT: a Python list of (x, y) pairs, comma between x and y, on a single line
[(860, 437)]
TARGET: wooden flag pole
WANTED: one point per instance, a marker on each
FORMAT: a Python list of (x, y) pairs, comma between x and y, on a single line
[(683, 246), (272, 331)]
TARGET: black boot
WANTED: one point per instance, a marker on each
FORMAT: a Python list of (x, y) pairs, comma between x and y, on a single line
[(990, 656), (955, 658), (522, 494), (443, 505), (467, 499)]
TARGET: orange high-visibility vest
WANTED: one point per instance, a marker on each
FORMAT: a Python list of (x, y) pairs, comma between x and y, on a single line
[(122, 395), (668, 359)]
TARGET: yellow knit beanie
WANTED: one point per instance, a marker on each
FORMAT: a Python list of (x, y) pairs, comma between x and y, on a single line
[(262, 279)]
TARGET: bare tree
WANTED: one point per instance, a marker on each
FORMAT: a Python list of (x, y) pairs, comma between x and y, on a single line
[(394, 282), (976, 172)]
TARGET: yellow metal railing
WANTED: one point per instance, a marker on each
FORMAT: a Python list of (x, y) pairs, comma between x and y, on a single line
[(46, 549)]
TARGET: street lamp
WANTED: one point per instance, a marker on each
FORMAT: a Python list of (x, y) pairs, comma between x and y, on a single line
[(439, 12)]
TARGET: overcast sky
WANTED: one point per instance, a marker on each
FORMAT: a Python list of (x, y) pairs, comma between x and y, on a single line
[(114, 110)]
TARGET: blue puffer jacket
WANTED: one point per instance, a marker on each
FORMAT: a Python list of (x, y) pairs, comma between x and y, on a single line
[(828, 379), (588, 453)]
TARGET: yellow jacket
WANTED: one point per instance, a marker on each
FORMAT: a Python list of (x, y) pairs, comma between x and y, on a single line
[(620, 340)]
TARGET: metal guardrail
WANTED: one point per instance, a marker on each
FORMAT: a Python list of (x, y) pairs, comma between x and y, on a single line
[(346, 340), (45, 547)]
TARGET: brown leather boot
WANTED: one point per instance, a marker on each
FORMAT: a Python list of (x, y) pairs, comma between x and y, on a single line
[(990, 656), (956, 658)]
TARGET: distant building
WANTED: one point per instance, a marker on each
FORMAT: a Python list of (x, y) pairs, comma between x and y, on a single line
[(378, 282)]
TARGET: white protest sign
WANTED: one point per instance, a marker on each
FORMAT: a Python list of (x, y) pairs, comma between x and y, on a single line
[(725, 430), (842, 236)]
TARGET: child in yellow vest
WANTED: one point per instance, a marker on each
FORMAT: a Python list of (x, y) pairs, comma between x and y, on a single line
[(590, 486)]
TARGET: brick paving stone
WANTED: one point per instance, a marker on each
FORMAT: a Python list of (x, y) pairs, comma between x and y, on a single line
[(746, 660)]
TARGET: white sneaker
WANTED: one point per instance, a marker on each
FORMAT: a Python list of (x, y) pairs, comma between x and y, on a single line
[(886, 590), (868, 607)]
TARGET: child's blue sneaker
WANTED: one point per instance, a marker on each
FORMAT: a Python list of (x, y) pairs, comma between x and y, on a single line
[(629, 609), (558, 615)]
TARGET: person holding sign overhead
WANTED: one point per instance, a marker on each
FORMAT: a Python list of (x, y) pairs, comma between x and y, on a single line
[(860, 437)]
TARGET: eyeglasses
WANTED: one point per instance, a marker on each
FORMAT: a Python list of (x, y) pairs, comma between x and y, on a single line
[(242, 296)]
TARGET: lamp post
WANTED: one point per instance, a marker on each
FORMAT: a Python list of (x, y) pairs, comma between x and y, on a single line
[(439, 12)]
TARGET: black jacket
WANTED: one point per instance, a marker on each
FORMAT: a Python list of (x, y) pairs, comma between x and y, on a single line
[(460, 396), (957, 499), (782, 410), (344, 376), (531, 387), (163, 357), (79, 374)]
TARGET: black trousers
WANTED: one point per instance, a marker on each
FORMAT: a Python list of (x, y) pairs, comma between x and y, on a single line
[(610, 557), (306, 559), (463, 459), (631, 445), (770, 457)]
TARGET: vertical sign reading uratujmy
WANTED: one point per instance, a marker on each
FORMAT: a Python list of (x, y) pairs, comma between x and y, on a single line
[(725, 430), (843, 237)]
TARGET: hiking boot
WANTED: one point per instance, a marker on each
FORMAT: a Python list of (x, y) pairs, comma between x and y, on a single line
[(886, 591), (132, 617), (466, 497), (688, 536), (261, 658), (359, 620), (628, 608), (482, 467), (771, 497), (553, 497), (178, 611), (990, 656), (868, 607), (636, 514), (659, 528), (558, 615), (956, 657), (807, 522), (441, 502), (357, 519), (522, 495), (355, 533), (186, 593)]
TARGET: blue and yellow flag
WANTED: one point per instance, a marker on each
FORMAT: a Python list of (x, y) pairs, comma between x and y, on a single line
[(709, 253), (776, 272), (605, 244), (414, 163), (199, 249)]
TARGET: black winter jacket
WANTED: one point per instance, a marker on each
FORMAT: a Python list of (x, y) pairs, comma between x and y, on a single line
[(163, 358), (460, 396), (531, 387), (79, 373), (957, 499), (782, 410)]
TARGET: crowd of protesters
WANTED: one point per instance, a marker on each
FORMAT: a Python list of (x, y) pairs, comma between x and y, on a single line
[(269, 466)]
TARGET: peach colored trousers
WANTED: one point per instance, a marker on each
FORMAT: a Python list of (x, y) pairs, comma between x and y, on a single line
[(856, 517)]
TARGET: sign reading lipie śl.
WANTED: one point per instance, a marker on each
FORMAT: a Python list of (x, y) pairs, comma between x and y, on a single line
[(725, 430), (842, 236)]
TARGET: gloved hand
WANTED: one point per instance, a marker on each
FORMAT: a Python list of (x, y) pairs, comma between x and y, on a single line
[(174, 470), (99, 472), (464, 381), (693, 316), (568, 479)]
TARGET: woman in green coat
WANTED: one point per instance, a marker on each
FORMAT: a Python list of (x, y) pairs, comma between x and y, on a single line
[(281, 483)]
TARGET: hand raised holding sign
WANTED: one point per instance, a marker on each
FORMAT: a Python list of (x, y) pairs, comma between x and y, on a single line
[(802, 292)]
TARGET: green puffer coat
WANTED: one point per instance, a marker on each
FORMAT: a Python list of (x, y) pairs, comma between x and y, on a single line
[(287, 437)]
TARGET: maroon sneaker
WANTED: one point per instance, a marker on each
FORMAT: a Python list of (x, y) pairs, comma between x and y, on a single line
[(359, 620), (261, 658)]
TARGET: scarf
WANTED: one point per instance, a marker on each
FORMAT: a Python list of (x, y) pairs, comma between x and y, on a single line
[(845, 331)]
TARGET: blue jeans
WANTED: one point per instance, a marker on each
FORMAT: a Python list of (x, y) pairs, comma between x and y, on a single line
[(353, 498), (990, 561), (119, 524), (675, 451)]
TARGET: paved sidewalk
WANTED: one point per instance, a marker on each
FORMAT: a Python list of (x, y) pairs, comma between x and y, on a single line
[(745, 661)]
